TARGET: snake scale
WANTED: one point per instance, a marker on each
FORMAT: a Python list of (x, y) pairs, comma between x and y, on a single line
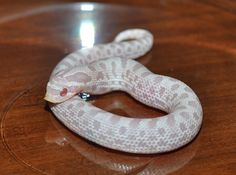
[(111, 67)]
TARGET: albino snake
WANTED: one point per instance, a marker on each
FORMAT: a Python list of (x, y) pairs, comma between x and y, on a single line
[(109, 67)]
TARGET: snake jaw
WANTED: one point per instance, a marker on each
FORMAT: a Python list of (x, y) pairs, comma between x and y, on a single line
[(51, 99), (57, 99)]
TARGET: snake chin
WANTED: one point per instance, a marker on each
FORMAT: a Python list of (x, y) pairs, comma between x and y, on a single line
[(50, 99)]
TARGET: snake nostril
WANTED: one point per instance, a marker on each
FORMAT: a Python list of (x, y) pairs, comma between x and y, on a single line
[(63, 92)]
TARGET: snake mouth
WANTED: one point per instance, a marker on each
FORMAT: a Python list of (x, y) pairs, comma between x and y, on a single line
[(56, 99), (51, 99)]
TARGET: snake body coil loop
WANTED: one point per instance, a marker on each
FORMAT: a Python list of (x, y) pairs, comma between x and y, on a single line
[(109, 67)]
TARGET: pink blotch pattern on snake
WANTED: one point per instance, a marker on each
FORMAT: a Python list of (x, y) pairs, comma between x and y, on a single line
[(109, 67)]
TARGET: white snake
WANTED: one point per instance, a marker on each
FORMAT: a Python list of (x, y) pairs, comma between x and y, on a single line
[(110, 67)]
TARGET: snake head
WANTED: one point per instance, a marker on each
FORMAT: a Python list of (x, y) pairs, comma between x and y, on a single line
[(65, 85), (59, 90)]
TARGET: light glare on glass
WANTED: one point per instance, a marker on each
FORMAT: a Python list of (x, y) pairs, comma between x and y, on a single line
[(87, 33), (87, 7)]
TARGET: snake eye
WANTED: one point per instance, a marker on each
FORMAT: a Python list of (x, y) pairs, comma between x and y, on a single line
[(63, 92)]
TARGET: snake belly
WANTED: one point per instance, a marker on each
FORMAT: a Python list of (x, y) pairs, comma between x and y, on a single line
[(110, 67)]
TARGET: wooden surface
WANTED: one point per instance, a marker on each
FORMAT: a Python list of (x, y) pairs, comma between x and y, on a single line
[(194, 42)]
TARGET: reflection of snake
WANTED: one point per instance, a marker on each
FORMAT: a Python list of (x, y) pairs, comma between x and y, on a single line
[(109, 67)]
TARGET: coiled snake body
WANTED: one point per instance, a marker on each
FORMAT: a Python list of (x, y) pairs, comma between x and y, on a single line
[(110, 67)]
